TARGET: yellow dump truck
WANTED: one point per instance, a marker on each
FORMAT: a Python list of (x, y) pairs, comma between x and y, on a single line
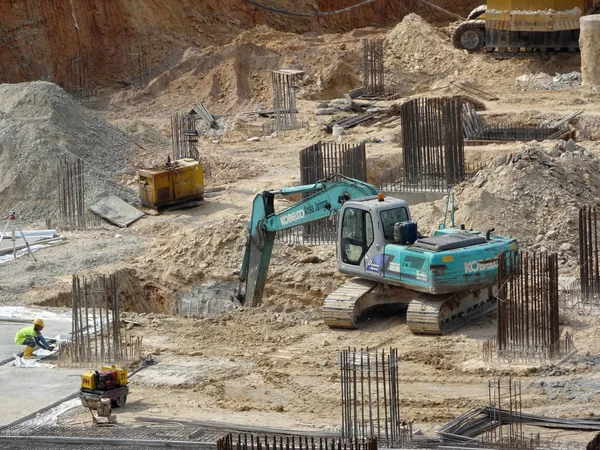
[(524, 25), (176, 183)]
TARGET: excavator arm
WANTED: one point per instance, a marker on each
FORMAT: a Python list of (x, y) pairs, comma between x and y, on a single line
[(326, 198)]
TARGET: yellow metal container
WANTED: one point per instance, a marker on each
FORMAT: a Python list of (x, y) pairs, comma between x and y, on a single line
[(180, 182), (88, 380)]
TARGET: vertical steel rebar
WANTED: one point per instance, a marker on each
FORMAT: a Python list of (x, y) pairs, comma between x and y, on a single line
[(528, 308), (371, 410)]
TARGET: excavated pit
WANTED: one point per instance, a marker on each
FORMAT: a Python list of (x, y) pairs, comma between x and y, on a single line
[(208, 298), (211, 297)]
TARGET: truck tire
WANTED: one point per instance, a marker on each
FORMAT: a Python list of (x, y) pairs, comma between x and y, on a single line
[(469, 35), (477, 12)]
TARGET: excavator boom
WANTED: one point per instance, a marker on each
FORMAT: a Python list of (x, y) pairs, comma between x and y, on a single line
[(326, 198)]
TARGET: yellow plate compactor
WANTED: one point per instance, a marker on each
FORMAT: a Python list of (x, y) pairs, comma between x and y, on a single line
[(109, 383)]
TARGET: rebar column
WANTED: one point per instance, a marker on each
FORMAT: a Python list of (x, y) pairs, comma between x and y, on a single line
[(317, 162), (96, 331), (184, 136), (71, 194), (137, 63), (505, 413), (244, 441), (432, 144), (370, 397), (373, 83), (528, 307), (284, 98), (589, 266), (78, 82)]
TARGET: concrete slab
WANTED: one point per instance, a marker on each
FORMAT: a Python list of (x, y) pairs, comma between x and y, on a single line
[(26, 390)]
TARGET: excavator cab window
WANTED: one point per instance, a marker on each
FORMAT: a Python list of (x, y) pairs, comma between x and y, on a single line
[(389, 218), (357, 235)]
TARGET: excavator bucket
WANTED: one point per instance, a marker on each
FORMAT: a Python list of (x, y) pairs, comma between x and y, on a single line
[(258, 266)]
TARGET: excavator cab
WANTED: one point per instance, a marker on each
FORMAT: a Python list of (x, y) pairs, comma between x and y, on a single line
[(367, 226), (359, 227), (356, 235)]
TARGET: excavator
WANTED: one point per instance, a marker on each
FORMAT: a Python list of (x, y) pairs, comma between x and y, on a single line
[(523, 25), (446, 279)]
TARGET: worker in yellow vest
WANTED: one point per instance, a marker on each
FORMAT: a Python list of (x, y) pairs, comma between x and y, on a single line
[(32, 337)]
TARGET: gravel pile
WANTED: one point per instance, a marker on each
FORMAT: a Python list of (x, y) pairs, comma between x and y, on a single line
[(39, 123)]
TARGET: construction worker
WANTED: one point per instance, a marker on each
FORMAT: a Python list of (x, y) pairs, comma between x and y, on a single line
[(32, 337)]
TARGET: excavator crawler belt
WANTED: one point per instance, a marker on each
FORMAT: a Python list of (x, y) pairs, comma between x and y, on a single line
[(340, 307), (438, 316)]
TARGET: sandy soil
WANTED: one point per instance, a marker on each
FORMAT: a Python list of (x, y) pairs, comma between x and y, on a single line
[(277, 365)]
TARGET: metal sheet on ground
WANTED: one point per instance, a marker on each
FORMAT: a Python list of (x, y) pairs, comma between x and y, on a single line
[(117, 211), (33, 237)]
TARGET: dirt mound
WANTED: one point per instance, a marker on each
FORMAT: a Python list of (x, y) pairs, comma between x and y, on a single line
[(416, 48), (298, 274), (39, 123), (45, 31), (533, 195), (222, 169)]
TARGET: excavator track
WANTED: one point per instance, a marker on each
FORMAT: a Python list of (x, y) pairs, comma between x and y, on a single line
[(436, 316), (426, 314), (472, 36), (341, 307)]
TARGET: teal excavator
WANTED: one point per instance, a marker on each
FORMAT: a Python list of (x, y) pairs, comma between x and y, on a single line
[(446, 279)]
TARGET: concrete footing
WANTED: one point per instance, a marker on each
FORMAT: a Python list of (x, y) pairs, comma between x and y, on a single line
[(416, 197)]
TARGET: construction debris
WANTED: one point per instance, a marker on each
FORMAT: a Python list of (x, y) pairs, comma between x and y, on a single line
[(475, 422), (201, 111), (543, 81), (350, 122)]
